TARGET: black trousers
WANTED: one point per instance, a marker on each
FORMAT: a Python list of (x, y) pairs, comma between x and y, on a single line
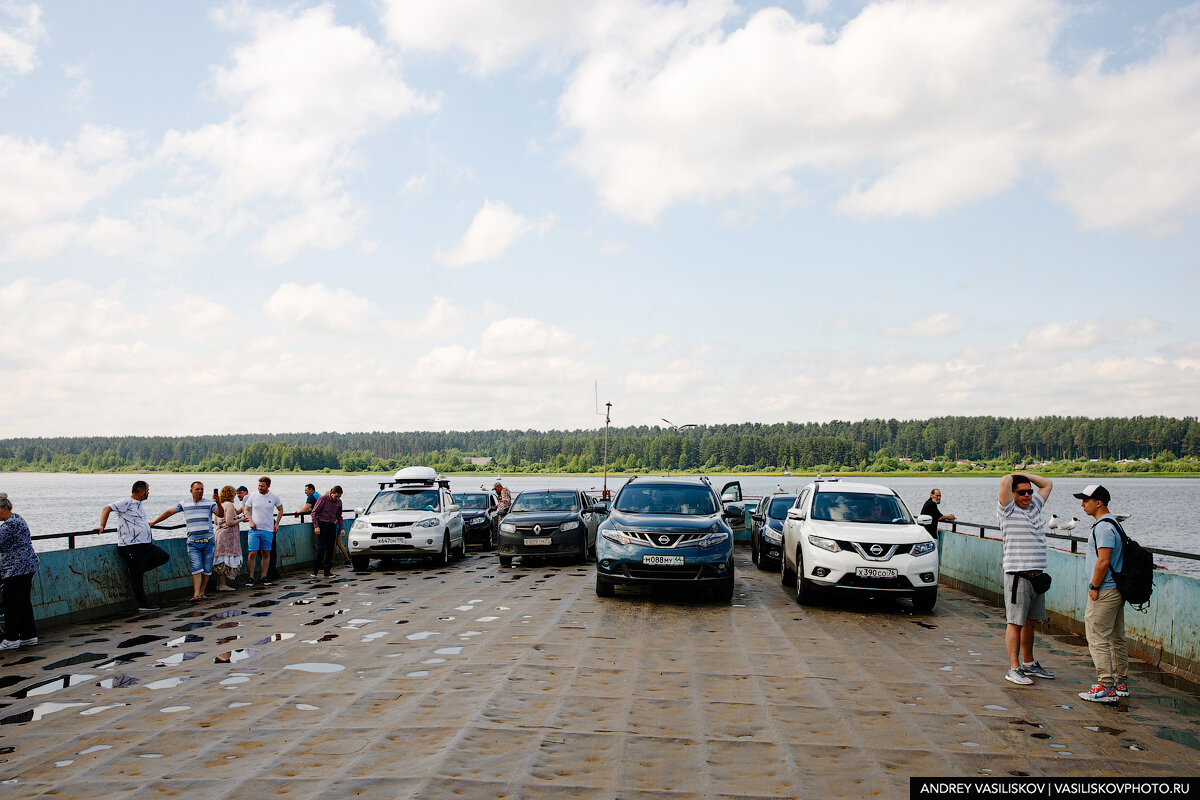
[(18, 611), (326, 542), (140, 559)]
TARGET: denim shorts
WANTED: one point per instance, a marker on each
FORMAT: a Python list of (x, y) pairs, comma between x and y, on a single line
[(200, 554), (259, 540)]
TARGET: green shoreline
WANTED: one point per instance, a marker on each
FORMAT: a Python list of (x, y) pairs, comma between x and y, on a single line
[(977, 473)]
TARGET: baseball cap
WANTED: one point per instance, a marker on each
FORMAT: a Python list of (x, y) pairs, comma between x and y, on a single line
[(1094, 492), (242, 489)]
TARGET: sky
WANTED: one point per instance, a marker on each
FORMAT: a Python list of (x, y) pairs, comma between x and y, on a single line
[(475, 214)]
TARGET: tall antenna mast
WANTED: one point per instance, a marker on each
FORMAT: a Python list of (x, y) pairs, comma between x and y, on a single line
[(607, 419)]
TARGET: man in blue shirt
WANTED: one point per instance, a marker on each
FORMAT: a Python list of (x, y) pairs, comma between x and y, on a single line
[(1104, 617)]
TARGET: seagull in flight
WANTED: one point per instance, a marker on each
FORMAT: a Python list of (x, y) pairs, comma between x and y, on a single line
[(678, 428)]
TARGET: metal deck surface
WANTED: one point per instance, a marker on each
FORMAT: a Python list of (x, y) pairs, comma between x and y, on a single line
[(477, 681)]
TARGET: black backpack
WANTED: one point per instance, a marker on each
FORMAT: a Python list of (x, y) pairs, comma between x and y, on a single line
[(1135, 581)]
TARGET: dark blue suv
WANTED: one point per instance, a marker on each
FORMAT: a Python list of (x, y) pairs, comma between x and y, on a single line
[(667, 531)]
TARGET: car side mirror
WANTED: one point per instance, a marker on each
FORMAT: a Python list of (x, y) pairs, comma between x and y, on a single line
[(795, 513), (924, 520), (358, 512), (596, 510), (756, 517), (734, 511)]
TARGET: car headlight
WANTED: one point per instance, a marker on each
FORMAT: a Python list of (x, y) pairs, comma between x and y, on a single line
[(620, 537), (824, 544), (508, 527), (569, 525), (713, 539), (360, 524), (428, 522), (922, 548), (773, 536)]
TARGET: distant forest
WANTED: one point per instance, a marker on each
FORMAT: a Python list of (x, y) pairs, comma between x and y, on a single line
[(867, 445)]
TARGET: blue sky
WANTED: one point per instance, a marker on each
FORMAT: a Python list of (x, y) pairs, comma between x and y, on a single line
[(466, 214)]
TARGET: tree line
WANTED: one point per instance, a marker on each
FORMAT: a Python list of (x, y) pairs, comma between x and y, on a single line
[(862, 445)]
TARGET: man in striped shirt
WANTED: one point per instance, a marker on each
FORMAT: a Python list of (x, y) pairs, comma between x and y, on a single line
[(1023, 530), (198, 517)]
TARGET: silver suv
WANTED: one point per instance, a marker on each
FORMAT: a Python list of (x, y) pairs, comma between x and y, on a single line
[(412, 516)]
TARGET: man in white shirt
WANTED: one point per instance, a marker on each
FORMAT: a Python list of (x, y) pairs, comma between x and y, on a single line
[(265, 510), (135, 543)]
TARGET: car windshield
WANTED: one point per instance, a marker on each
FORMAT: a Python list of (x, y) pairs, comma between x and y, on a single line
[(669, 499), (545, 501), (404, 500), (475, 501), (779, 507), (860, 507)]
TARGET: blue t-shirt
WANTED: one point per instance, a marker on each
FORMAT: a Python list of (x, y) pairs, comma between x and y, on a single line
[(1104, 534)]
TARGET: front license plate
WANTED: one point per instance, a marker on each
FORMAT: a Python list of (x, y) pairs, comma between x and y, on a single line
[(390, 540), (663, 561), (542, 540), (874, 572)]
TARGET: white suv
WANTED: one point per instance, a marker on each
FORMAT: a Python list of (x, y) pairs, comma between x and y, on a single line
[(857, 538), (412, 516)]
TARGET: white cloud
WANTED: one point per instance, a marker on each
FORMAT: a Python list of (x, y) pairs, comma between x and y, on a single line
[(1078, 334), (21, 30), (494, 229), (943, 323), (46, 188), (304, 91), (338, 311), (492, 34)]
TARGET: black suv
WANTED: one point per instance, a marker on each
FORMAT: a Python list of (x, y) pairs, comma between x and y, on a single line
[(481, 519)]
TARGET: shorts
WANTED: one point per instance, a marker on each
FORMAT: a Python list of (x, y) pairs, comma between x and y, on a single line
[(1030, 606), (200, 554), (259, 540)]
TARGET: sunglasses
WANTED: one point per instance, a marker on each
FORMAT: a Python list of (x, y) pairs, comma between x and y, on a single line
[(1024, 492)]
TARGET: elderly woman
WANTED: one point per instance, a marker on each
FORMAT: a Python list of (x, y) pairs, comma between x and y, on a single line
[(227, 560), (18, 563)]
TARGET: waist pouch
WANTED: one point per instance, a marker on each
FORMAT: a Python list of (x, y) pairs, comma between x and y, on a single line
[(205, 540), (1040, 581)]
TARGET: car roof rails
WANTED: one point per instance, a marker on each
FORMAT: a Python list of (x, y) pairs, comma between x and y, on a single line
[(440, 480)]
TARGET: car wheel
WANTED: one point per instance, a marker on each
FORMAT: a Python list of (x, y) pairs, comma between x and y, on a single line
[(491, 541), (804, 592), (924, 602), (461, 552), (583, 549), (506, 561), (604, 588), (786, 576), (360, 563), (443, 558)]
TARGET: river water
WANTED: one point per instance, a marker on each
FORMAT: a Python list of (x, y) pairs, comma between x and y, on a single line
[(60, 502)]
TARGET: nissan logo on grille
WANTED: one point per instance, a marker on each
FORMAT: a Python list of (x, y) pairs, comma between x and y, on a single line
[(876, 549), (664, 539)]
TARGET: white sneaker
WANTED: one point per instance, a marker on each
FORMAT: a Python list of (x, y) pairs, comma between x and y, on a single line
[(10, 644), (29, 642), (1017, 677)]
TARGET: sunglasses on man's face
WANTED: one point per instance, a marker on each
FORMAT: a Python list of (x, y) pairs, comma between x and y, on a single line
[(1024, 492)]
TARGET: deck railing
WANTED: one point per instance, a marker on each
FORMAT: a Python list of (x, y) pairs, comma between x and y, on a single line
[(71, 536), (1075, 541)]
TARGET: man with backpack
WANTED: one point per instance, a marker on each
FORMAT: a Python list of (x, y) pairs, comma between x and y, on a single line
[(1104, 617)]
